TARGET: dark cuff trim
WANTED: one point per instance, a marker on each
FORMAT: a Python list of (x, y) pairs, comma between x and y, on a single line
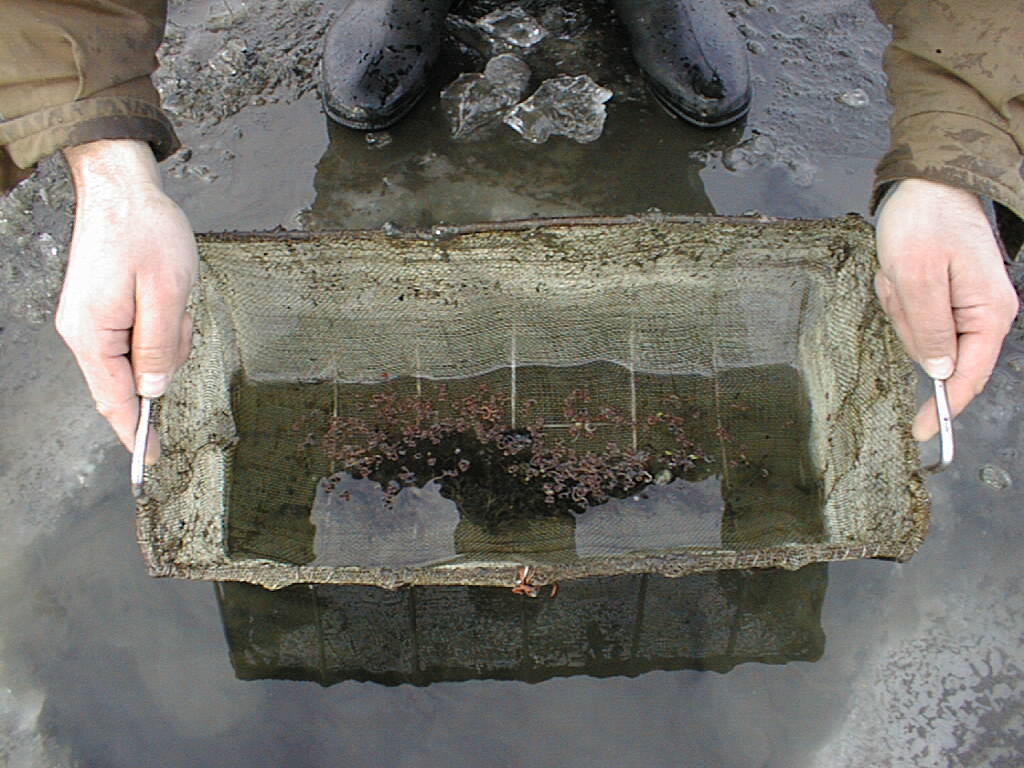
[(163, 141), (38, 134)]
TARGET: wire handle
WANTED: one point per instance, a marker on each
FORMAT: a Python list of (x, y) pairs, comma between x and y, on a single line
[(946, 451), (139, 449)]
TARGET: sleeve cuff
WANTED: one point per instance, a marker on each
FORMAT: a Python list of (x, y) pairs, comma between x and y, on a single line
[(962, 151), (958, 150), (34, 136)]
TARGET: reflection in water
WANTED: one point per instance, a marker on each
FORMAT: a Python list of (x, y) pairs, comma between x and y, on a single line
[(357, 524), (620, 625), (423, 177)]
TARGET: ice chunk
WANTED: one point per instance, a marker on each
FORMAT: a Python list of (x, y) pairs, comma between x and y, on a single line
[(469, 103), (471, 39), (995, 477), (513, 25), (509, 75), (474, 100), (562, 106), (857, 98), (562, 22)]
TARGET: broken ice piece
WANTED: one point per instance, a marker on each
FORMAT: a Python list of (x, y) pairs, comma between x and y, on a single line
[(564, 23), (562, 106), (857, 98), (471, 39), (469, 103), (509, 74), (514, 25), (474, 100)]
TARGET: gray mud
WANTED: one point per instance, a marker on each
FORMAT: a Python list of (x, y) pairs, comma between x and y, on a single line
[(102, 666)]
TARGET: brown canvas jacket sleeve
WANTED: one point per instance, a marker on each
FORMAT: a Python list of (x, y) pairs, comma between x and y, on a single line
[(77, 71), (956, 83)]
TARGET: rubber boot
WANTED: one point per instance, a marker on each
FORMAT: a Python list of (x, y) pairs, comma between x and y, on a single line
[(693, 56), (377, 55)]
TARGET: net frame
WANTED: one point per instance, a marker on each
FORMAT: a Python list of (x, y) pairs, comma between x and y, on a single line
[(860, 381)]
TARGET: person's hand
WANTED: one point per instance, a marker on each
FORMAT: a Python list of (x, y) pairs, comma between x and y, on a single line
[(945, 287), (131, 266)]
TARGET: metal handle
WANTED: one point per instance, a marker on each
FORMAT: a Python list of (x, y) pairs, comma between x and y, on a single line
[(139, 449), (946, 451)]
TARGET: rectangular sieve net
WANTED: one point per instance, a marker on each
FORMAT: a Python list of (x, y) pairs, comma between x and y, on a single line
[(585, 397)]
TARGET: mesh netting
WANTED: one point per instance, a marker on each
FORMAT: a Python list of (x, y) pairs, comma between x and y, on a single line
[(584, 397)]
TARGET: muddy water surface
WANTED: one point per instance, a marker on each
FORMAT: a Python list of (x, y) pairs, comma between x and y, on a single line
[(916, 664)]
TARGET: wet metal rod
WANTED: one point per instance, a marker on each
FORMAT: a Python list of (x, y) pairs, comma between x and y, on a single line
[(945, 427), (139, 449)]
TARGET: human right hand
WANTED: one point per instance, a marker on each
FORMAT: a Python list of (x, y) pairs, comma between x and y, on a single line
[(131, 266), (945, 287)]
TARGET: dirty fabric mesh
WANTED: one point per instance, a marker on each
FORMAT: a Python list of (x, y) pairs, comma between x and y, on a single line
[(585, 397)]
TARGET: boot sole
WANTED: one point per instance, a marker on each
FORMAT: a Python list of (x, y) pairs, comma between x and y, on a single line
[(383, 122), (677, 111)]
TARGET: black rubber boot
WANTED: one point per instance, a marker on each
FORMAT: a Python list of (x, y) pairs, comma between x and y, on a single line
[(693, 55), (377, 55)]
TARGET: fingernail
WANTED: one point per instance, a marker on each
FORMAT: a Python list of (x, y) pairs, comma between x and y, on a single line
[(153, 384), (939, 367)]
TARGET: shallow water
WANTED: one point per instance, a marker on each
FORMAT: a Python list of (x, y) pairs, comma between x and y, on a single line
[(456, 489), (102, 666)]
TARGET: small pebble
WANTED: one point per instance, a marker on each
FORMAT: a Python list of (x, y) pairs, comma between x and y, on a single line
[(378, 139), (856, 98), (218, 22), (995, 477), (755, 47), (204, 174)]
